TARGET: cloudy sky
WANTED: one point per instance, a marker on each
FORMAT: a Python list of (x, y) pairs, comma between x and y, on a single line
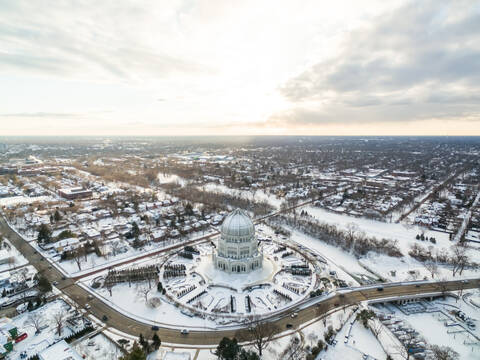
[(239, 67)]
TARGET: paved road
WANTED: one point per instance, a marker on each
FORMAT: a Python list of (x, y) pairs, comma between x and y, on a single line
[(133, 327)]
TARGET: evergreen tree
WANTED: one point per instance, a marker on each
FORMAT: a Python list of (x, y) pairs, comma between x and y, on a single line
[(248, 355), (136, 354), (57, 216), (156, 341), (189, 209), (135, 230), (43, 284), (44, 234), (228, 349)]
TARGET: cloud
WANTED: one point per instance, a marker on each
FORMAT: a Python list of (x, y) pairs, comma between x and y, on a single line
[(91, 40), (419, 61), (39, 115)]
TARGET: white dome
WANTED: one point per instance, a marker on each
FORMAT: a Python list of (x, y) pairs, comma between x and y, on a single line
[(238, 223)]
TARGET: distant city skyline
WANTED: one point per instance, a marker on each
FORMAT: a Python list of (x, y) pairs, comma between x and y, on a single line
[(159, 68)]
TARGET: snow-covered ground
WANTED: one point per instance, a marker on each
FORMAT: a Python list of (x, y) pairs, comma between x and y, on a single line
[(360, 342), (22, 200), (259, 195), (37, 342), (406, 268), (216, 286), (17, 258), (431, 323), (94, 262), (405, 234), (97, 347)]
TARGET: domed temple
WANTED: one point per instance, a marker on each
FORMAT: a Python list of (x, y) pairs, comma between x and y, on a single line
[(237, 250)]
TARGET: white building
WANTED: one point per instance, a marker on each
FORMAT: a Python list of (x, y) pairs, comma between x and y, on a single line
[(237, 250)]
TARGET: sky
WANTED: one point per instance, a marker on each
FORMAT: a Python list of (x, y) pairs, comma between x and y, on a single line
[(239, 67)]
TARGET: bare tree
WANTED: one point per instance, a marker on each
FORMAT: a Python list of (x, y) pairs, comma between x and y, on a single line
[(143, 290), (35, 320), (376, 327), (432, 268), (58, 320), (77, 256), (444, 353), (459, 259), (294, 349), (259, 332)]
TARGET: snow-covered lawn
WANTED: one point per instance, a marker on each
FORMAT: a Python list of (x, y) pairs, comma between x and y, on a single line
[(37, 342), (98, 347), (360, 342), (17, 258)]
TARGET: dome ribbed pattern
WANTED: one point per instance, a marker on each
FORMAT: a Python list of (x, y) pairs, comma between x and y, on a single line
[(238, 223)]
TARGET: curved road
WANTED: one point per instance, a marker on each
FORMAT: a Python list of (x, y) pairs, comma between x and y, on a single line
[(313, 308)]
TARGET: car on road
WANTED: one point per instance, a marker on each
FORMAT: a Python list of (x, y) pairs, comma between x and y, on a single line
[(184, 332), (380, 289), (90, 297), (294, 315), (55, 283), (155, 328), (289, 326), (104, 318)]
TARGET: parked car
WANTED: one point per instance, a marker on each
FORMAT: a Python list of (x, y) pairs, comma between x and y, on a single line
[(104, 318), (87, 306), (155, 328), (21, 337), (289, 326), (184, 332)]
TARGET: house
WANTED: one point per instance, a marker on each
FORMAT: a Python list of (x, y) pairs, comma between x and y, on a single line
[(92, 234), (65, 244), (158, 235)]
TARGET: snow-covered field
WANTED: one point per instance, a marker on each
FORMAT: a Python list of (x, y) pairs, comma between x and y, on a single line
[(260, 195), (22, 200), (405, 234)]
